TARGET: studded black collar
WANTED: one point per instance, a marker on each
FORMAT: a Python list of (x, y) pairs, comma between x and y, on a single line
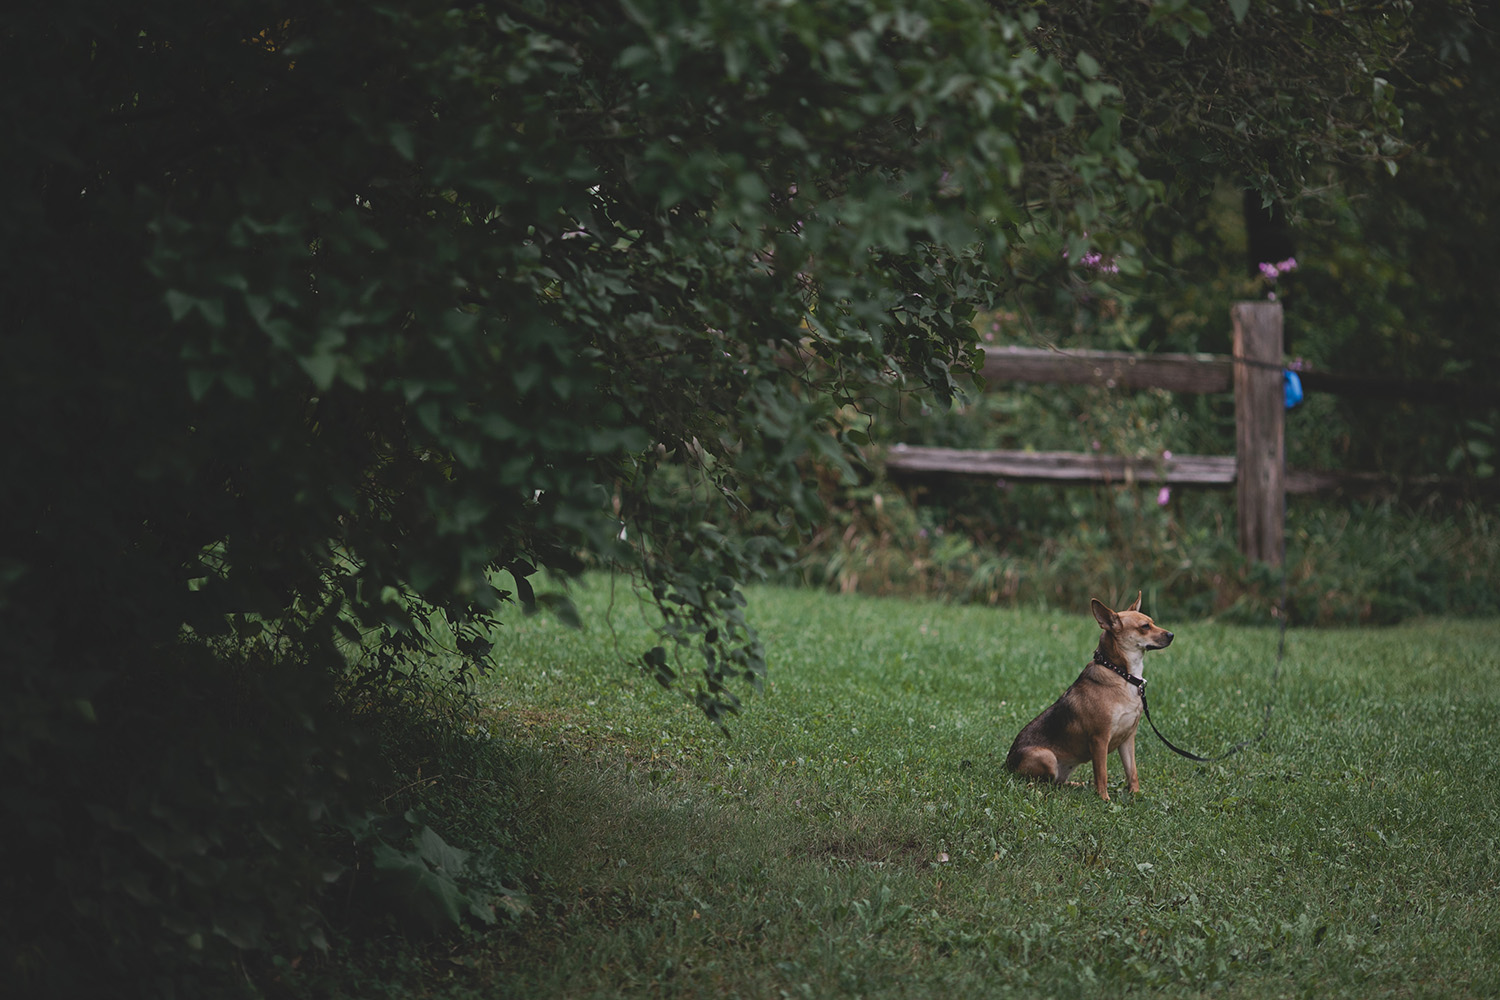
[(1104, 661)]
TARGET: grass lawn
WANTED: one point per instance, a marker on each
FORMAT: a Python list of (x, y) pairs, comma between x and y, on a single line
[(858, 836)]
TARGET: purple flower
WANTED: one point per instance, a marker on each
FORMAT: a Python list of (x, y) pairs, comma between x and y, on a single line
[(1093, 260), (1271, 271), (1096, 261), (1163, 496)]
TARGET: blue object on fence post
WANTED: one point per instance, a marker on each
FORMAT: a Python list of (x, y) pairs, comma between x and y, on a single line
[(1291, 387)]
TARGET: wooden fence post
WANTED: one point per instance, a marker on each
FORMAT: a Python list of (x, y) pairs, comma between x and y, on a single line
[(1260, 439)]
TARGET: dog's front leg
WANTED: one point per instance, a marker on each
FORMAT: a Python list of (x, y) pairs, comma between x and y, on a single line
[(1101, 766), (1127, 759)]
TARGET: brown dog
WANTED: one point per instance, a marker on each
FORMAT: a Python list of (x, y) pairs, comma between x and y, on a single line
[(1099, 712)]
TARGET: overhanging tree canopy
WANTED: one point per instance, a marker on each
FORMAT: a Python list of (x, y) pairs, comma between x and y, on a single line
[(356, 305)]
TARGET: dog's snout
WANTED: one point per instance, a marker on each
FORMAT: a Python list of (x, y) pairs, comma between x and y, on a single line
[(1168, 639)]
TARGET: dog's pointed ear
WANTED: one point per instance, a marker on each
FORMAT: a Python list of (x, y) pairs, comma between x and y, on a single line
[(1137, 605), (1102, 615)]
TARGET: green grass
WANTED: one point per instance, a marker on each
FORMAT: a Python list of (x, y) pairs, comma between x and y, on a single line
[(858, 836)]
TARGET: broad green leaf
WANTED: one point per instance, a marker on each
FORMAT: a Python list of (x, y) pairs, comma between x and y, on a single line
[(321, 368), (179, 304)]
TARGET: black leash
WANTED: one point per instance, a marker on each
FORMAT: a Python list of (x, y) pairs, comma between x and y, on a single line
[(1242, 744), (1140, 682)]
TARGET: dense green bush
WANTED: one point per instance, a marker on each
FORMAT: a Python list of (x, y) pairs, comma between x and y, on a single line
[(325, 328)]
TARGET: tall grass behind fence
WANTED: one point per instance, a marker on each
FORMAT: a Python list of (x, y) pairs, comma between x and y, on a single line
[(1350, 558)]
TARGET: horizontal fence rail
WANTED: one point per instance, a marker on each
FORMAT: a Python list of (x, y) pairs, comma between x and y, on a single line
[(1200, 373), (1203, 374), (1078, 467), (1063, 466)]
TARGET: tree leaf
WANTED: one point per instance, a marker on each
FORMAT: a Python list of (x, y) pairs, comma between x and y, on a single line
[(321, 368)]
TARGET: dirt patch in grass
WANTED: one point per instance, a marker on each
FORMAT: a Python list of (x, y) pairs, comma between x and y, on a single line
[(864, 840)]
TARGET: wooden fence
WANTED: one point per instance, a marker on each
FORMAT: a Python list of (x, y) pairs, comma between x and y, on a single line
[(1256, 470)]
